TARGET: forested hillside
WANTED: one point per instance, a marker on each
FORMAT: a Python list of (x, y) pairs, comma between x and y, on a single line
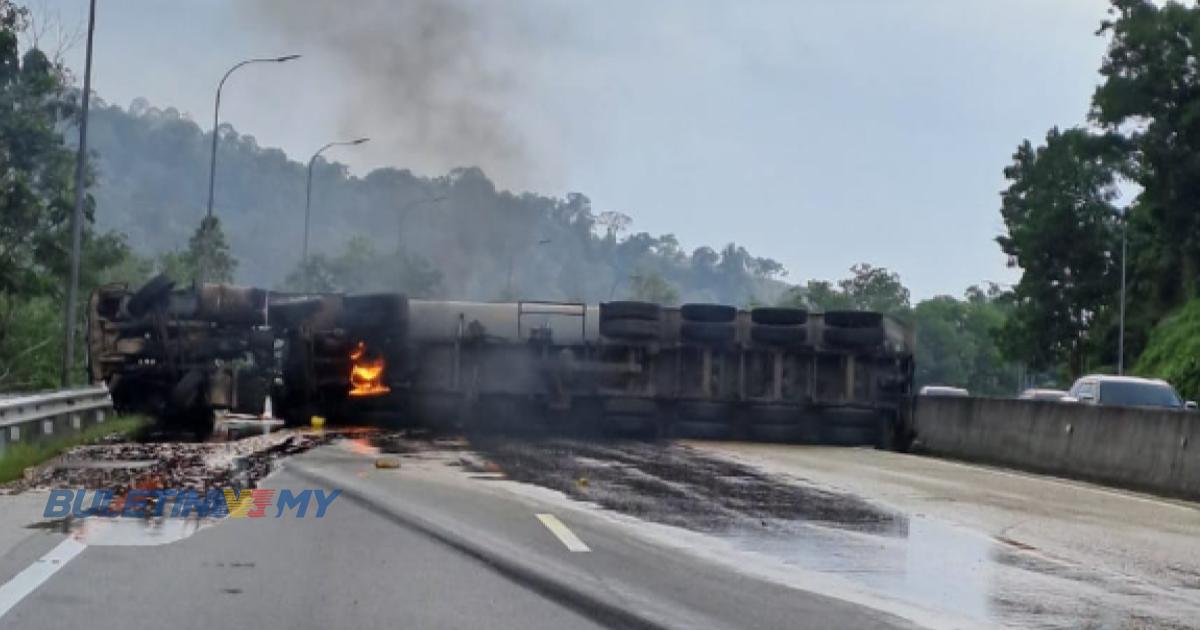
[(453, 235)]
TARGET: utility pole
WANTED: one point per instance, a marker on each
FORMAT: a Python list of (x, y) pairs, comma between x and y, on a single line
[(1121, 332), (212, 161), (308, 202), (77, 215)]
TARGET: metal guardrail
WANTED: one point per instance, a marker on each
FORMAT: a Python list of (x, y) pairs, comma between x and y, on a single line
[(33, 417)]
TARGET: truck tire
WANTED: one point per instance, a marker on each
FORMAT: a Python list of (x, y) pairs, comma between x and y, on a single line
[(647, 311), (779, 316), (716, 313), (854, 337), (186, 394), (784, 336), (150, 293), (853, 319), (692, 430), (708, 333), (630, 329)]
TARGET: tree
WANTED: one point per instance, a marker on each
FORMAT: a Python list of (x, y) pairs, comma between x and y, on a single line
[(1061, 231), (957, 342), (1151, 94), (361, 268), (650, 286), (875, 289), (867, 288), (37, 190), (208, 253)]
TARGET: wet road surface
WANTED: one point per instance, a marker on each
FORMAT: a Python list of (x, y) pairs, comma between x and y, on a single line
[(682, 535)]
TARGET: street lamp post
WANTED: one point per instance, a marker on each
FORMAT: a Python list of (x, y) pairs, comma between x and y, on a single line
[(308, 201), (77, 214), (212, 162), (1121, 332)]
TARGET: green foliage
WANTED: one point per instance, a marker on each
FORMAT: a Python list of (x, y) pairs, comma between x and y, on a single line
[(17, 457), (648, 286), (155, 162), (360, 268), (956, 342), (207, 255), (30, 343), (867, 288), (37, 200), (1061, 230), (1151, 93), (1173, 352)]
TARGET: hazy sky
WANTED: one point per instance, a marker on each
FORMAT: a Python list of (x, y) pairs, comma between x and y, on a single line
[(819, 133)]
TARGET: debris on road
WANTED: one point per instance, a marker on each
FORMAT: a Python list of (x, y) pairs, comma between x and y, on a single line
[(122, 465), (677, 485)]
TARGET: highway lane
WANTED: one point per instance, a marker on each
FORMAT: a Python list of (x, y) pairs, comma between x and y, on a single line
[(350, 569), (452, 539), (364, 565), (1026, 549)]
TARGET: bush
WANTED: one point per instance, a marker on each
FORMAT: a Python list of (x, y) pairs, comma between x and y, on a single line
[(1173, 352)]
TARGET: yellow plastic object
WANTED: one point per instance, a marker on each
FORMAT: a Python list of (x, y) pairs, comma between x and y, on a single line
[(318, 422)]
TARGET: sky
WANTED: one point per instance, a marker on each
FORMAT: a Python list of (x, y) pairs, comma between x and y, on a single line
[(820, 133)]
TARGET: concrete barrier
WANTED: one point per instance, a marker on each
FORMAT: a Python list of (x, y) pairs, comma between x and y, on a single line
[(1157, 450)]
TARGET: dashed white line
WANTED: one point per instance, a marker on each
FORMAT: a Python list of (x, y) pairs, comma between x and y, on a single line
[(25, 582), (566, 536)]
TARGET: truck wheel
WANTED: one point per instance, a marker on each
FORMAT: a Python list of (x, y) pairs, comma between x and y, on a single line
[(647, 311), (716, 313), (150, 293), (784, 336), (708, 333), (186, 393), (631, 329), (779, 316)]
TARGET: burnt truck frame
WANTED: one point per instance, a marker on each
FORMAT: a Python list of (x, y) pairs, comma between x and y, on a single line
[(624, 369)]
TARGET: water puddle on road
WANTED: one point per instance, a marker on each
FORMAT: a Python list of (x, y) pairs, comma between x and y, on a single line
[(136, 532), (909, 558)]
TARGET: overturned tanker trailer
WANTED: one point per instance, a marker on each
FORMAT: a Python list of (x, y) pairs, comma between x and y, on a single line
[(630, 369)]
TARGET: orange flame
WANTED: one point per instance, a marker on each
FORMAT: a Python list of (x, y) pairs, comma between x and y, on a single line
[(366, 373)]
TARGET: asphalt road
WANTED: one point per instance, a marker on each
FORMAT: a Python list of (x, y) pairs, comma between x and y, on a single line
[(566, 534), (424, 546)]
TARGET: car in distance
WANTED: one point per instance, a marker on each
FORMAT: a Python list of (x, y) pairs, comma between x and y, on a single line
[(1043, 394), (944, 390), (1126, 391)]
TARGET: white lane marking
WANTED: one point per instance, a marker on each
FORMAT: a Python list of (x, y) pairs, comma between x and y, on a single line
[(565, 535), (25, 582)]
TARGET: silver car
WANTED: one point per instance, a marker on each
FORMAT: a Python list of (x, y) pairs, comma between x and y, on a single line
[(1126, 391)]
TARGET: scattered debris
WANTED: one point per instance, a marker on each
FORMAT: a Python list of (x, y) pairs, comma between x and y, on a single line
[(676, 485)]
